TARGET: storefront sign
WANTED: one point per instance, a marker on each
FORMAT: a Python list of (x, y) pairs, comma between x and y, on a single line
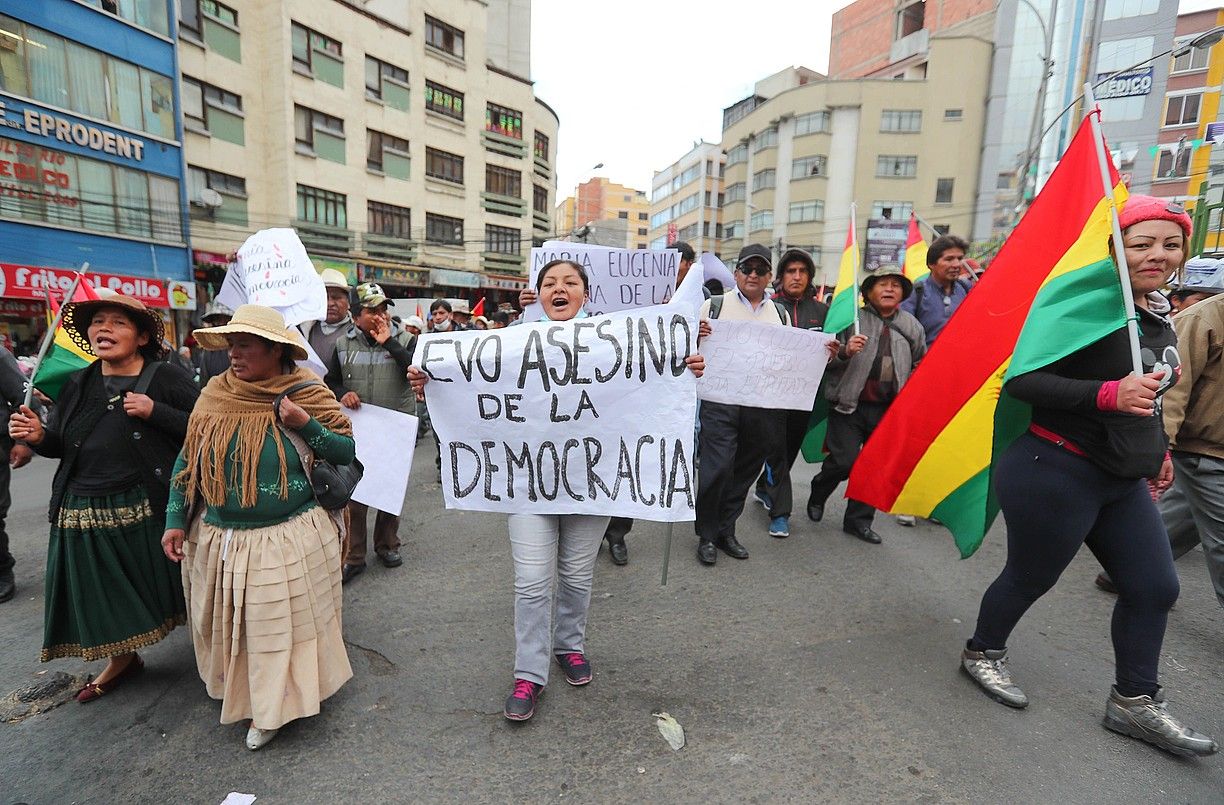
[(410, 277), (21, 309), (504, 283), (1124, 85), (346, 267), (454, 279), (30, 282), (42, 123), (203, 258)]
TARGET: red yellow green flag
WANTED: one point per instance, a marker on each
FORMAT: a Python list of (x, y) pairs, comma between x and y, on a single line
[(844, 305), (64, 356), (915, 252), (1052, 289)]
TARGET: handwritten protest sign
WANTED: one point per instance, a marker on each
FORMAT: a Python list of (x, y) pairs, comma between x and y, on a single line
[(273, 269), (386, 461), (589, 416), (762, 365), (621, 279)]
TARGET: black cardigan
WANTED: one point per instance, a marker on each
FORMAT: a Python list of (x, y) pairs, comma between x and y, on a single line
[(155, 442)]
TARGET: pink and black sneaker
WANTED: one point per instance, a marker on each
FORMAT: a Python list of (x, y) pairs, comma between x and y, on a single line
[(521, 704), (576, 666)]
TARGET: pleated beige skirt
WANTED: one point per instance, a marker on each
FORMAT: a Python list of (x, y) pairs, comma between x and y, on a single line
[(264, 613)]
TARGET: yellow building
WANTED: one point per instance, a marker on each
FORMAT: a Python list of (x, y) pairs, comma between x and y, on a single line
[(686, 198), (610, 214), (403, 141)]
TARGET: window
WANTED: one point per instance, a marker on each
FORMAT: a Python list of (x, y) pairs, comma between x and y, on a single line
[(1196, 59), (893, 210), (1003, 181), (201, 178), (324, 207), (388, 220), (503, 181), (901, 120), (809, 166), (47, 68), (149, 14), (541, 146), (764, 179), (687, 233), (189, 16), (378, 74), (1174, 163), (306, 43), (307, 121), (442, 229), (443, 165), (737, 155), (812, 123), (443, 37), (733, 229), (953, 114), (539, 199), (504, 121), (643, 231), (761, 219), (1125, 9), (943, 191), (803, 211), (378, 145), (735, 192), (1183, 109), (896, 166), (623, 215), (910, 20), (503, 240), (689, 175), (443, 100), (198, 97), (232, 210), (642, 216), (766, 139), (686, 204)]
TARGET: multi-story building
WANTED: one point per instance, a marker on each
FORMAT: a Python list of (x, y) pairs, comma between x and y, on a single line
[(606, 213), (686, 200), (91, 166), (801, 149), (403, 141)]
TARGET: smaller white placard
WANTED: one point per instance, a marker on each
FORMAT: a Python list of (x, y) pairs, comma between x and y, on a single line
[(386, 441), (762, 365)]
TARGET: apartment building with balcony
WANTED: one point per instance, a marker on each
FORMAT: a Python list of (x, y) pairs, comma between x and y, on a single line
[(604, 212), (686, 200)]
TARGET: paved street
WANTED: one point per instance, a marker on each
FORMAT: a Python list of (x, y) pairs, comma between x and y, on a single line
[(820, 670)]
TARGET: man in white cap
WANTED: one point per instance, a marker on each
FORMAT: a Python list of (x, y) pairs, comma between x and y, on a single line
[(415, 325), (322, 335)]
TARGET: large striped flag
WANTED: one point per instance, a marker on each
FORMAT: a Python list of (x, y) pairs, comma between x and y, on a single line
[(843, 307), (65, 356), (1052, 289), (915, 252)]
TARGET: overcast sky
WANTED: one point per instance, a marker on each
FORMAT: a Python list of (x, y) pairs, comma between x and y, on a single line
[(637, 82)]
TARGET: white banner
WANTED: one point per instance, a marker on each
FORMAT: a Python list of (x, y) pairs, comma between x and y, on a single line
[(386, 441), (589, 416), (274, 270), (621, 279), (762, 365)]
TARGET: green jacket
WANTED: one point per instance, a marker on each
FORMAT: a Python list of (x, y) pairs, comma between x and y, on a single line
[(376, 372)]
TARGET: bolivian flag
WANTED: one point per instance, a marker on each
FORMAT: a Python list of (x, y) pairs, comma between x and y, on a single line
[(1052, 289), (915, 253), (843, 307), (64, 357)]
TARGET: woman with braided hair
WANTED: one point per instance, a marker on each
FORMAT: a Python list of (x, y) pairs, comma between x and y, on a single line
[(261, 560)]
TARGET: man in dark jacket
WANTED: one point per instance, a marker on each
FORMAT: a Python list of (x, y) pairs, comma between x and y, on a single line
[(797, 296), (12, 389)]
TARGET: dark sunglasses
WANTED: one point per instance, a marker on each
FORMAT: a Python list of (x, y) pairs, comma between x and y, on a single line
[(759, 270)]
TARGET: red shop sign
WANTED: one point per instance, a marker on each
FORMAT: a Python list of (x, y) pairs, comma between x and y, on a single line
[(29, 282), (18, 307)]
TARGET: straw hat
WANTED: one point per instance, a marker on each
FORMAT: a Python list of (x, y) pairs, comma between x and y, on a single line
[(254, 320), (77, 316), (333, 279)]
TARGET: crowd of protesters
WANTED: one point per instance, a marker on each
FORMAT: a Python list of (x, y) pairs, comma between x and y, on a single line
[(213, 520)]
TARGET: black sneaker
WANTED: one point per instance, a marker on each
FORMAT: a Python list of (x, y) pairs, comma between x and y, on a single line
[(521, 704), (577, 668)]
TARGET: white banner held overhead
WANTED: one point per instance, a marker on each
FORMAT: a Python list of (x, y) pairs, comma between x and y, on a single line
[(589, 416), (621, 279), (386, 441), (762, 365), (274, 270)]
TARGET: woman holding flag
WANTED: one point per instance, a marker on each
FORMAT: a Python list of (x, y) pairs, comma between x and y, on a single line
[(1078, 477), (116, 427)]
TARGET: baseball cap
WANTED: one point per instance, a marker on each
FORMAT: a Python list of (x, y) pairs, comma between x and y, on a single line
[(755, 250), (370, 294), (333, 278)]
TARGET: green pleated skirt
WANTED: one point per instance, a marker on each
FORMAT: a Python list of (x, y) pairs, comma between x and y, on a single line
[(110, 588)]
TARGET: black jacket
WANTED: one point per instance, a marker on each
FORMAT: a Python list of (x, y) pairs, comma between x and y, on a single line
[(806, 313), (155, 443)]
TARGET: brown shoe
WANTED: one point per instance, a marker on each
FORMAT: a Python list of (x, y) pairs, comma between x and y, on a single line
[(95, 691)]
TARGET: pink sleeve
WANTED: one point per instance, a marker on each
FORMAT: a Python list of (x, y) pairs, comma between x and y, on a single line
[(1107, 396)]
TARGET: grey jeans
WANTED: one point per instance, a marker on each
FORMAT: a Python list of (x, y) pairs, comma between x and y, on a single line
[(1200, 479), (554, 562)]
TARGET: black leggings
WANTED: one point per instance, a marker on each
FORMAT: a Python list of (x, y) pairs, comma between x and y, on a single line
[(1054, 501)]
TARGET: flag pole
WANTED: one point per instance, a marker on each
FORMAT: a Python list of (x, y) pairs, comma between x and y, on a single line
[(857, 258), (667, 541), (1119, 248), (924, 222), (50, 336)]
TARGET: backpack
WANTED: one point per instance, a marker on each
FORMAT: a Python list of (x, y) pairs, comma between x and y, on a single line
[(716, 304)]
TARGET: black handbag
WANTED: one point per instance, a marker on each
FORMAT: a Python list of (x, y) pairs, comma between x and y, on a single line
[(333, 485)]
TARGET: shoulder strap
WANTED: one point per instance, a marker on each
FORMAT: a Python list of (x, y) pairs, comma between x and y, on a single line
[(287, 392), (146, 377), (919, 290), (782, 313), (716, 303)]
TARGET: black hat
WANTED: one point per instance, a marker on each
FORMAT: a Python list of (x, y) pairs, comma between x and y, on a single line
[(755, 250)]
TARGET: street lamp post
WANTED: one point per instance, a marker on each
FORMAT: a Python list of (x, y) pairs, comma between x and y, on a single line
[(1032, 157)]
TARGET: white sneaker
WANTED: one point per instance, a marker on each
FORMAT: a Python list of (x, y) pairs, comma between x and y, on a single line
[(907, 520), (256, 738)]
